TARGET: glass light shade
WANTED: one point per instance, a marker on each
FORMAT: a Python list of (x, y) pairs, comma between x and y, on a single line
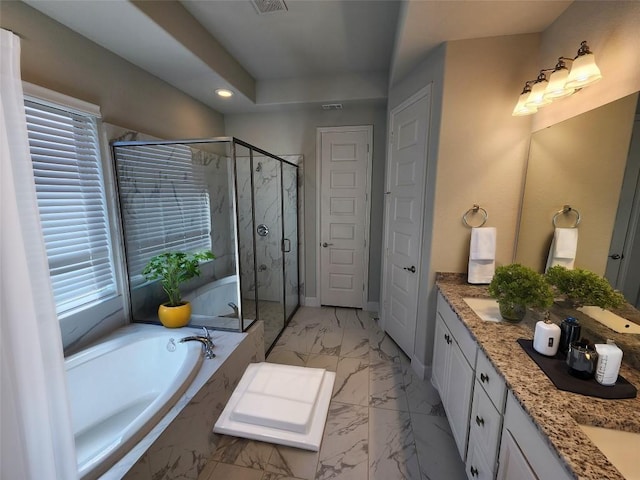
[(584, 71), (521, 109), (556, 87), (536, 97)]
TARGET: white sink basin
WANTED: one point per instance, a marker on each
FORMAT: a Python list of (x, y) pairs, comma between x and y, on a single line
[(620, 448), (611, 320), (486, 308)]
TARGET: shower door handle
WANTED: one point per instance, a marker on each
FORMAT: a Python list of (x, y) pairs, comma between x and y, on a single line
[(287, 248)]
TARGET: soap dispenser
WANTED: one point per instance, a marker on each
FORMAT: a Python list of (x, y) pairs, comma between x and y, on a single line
[(609, 360), (546, 338)]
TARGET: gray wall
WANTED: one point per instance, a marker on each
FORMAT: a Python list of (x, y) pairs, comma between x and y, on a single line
[(294, 132)]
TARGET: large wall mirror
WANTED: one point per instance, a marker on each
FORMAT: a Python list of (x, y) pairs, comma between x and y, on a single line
[(591, 163)]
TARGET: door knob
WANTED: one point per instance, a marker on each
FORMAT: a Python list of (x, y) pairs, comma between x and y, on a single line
[(325, 244), (615, 256), (411, 269)]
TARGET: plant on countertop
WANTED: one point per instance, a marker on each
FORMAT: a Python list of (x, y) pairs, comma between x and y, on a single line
[(516, 287), (174, 268), (584, 287)]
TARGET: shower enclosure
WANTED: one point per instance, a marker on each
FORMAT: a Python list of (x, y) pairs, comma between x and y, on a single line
[(218, 194)]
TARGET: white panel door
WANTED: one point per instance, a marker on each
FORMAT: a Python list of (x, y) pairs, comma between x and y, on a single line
[(403, 218), (344, 156)]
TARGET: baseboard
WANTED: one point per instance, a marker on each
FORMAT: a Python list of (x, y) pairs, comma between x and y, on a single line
[(420, 369), (311, 302), (373, 307)]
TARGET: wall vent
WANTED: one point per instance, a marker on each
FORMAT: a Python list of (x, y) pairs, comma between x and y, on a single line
[(332, 106), (269, 6)]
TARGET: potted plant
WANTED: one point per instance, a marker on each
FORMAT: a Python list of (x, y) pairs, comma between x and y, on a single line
[(584, 287), (174, 268), (517, 287)]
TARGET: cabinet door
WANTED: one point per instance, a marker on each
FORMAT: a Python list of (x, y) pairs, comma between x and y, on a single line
[(513, 464), (459, 388), (477, 466), (441, 349)]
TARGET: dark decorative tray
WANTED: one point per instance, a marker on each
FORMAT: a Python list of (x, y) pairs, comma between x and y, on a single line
[(556, 369)]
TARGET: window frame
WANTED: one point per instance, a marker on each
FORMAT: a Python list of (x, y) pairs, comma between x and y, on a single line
[(84, 317)]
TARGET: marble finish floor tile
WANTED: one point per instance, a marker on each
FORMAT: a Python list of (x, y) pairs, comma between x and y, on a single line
[(386, 386), (352, 382), (384, 423), (293, 462), (355, 343), (392, 446), (344, 453), (437, 451)]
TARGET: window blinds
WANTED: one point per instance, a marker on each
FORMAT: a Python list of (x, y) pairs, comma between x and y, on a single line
[(66, 163), (164, 200)]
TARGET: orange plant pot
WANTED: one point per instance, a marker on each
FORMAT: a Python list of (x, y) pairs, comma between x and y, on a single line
[(175, 317)]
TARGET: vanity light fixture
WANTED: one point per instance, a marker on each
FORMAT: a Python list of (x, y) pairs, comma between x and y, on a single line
[(557, 87), (536, 97), (561, 82), (224, 93), (521, 107), (584, 70)]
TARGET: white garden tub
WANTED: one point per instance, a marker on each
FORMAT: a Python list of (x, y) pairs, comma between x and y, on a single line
[(120, 388), (213, 304)]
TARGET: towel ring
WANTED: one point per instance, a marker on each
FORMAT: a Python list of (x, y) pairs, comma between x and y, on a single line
[(474, 210), (565, 211)]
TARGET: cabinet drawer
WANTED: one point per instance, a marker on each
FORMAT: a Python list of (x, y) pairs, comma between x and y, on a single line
[(460, 333), (485, 426), (492, 383), (477, 466)]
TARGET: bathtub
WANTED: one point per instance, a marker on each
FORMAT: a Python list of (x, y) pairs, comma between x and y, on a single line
[(119, 389), (211, 301)]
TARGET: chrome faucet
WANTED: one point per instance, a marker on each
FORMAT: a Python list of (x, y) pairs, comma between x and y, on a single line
[(205, 340), (234, 307)]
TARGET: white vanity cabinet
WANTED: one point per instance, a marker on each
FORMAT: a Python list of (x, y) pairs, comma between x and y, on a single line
[(525, 453), (485, 426), (453, 371)]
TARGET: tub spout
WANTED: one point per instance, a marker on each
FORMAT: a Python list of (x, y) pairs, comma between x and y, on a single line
[(205, 340)]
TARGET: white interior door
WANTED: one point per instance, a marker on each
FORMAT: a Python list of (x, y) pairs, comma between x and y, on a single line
[(624, 253), (404, 197), (344, 158)]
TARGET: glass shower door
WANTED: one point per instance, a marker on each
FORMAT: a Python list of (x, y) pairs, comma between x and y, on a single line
[(268, 240), (290, 240)]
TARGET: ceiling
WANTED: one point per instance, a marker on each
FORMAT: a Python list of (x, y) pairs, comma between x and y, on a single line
[(314, 52)]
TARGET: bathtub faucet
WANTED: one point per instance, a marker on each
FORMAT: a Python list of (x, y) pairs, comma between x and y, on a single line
[(205, 340)]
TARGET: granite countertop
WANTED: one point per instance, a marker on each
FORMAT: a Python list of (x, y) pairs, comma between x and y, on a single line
[(556, 413)]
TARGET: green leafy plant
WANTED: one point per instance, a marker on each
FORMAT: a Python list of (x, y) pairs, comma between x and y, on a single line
[(516, 284), (174, 268), (583, 287)]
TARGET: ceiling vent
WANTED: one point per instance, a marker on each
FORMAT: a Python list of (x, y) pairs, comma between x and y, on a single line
[(269, 6), (332, 106)]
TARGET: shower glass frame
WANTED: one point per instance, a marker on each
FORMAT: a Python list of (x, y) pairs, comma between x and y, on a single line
[(234, 147)]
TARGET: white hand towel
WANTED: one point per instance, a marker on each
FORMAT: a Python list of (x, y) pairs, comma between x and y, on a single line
[(483, 244), (482, 253), (563, 248)]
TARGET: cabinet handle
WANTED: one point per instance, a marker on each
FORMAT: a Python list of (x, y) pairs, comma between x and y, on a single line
[(484, 378), (480, 421), (474, 471)]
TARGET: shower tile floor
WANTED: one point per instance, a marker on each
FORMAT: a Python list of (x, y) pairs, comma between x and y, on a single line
[(384, 423)]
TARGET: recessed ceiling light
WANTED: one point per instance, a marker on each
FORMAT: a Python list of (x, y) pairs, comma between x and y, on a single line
[(224, 93)]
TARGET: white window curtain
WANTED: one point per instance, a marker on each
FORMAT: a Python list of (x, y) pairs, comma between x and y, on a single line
[(37, 440), (165, 203)]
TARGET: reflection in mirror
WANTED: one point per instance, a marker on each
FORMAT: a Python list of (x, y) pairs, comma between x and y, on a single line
[(581, 162)]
